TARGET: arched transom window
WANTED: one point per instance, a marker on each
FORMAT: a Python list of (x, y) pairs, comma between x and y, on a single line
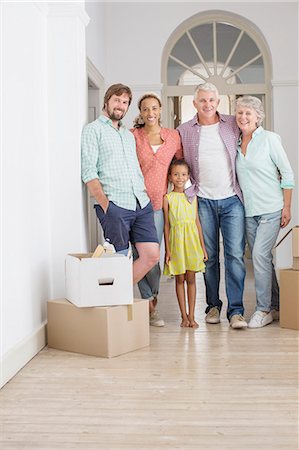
[(221, 48)]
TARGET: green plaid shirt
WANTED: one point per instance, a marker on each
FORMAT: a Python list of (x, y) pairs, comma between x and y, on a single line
[(109, 154)]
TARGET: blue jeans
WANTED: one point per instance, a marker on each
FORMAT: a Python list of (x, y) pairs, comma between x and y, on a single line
[(149, 285), (226, 215), (261, 233)]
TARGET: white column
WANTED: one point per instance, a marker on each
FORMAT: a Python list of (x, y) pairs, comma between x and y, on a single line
[(67, 113)]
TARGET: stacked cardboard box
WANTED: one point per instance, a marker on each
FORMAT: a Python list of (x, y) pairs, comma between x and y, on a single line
[(103, 281), (99, 331), (289, 287), (99, 316)]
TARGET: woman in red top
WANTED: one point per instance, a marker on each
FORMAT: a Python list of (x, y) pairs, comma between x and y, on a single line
[(156, 146)]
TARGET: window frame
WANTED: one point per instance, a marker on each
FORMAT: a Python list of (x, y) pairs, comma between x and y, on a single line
[(243, 24)]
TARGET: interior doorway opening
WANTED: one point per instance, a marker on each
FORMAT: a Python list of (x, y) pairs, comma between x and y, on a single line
[(218, 47), (95, 99)]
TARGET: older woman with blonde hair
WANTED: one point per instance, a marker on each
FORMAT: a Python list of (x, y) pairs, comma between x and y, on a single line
[(156, 147), (266, 180)]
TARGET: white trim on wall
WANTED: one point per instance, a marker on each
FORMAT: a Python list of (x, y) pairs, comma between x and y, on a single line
[(66, 10), (284, 83), (63, 10), (17, 357), (94, 75)]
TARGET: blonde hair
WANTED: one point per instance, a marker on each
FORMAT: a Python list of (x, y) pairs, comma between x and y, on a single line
[(138, 121)]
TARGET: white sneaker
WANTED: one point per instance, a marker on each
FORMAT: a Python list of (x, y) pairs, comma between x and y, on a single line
[(156, 320), (260, 319), (213, 316), (237, 321)]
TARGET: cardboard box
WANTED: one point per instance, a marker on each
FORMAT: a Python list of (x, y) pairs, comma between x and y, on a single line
[(289, 298), (98, 331), (295, 245), (295, 241), (103, 281)]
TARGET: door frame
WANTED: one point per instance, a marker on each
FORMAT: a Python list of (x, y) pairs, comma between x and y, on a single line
[(96, 83)]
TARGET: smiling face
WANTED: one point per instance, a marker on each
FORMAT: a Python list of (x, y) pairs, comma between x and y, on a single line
[(150, 111), (178, 176), (206, 104), (247, 119), (117, 106)]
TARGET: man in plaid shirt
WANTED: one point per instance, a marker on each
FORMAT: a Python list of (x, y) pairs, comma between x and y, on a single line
[(111, 171), (209, 143)]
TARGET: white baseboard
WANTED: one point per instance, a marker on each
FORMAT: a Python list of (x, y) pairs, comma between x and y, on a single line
[(21, 354)]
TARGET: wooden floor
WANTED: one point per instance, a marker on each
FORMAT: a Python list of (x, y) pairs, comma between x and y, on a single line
[(210, 388)]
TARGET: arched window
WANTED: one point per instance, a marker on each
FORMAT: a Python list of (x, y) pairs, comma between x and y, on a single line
[(222, 48)]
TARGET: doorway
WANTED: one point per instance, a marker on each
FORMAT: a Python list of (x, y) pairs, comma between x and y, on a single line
[(217, 47), (95, 99)]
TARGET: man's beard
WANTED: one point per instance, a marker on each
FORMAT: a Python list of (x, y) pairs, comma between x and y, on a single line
[(115, 115)]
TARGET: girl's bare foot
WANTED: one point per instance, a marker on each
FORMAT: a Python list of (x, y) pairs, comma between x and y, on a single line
[(185, 323), (192, 323)]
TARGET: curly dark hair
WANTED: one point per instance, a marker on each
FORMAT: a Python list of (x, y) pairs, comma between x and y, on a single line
[(138, 121), (178, 162)]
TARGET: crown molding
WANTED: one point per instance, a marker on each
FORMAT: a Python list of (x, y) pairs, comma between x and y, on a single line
[(64, 9)]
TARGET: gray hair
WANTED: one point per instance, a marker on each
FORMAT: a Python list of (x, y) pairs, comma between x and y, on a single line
[(206, 87), (248, 101)]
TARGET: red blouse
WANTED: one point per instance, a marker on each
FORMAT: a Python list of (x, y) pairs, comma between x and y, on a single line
[(154, 166)]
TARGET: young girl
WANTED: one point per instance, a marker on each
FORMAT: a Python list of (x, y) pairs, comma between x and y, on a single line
[(184, 245)]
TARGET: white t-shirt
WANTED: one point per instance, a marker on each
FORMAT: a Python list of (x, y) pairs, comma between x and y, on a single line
[(215, 173), (155, 148)]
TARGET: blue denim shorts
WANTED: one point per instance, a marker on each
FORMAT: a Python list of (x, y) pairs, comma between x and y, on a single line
[(122, 226)]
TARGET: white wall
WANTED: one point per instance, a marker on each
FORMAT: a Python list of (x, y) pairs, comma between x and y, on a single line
[(95, 35), (135, 48), (25, 193), (285, 116), (44, 106)]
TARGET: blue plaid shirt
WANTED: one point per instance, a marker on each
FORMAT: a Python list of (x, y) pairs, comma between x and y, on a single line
[(109, 155)]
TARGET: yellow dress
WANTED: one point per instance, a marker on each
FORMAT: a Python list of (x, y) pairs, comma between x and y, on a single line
[(185, 248)]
